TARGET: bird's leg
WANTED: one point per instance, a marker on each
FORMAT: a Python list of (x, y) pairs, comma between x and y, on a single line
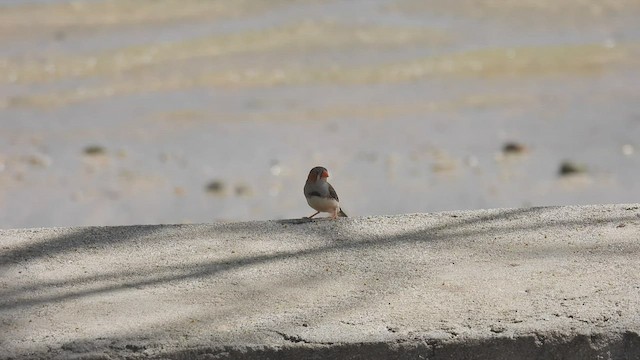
[(334, 215), (313, 215)]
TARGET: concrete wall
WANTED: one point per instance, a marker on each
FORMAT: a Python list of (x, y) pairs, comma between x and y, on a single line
[(533, 283)]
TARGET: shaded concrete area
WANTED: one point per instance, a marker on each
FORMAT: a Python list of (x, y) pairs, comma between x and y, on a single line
[(560, 282)]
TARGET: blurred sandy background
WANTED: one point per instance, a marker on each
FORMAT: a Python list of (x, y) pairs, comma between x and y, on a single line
[(171, 111)]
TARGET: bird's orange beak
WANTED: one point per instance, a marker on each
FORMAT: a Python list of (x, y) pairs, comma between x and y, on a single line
[(325, 174)]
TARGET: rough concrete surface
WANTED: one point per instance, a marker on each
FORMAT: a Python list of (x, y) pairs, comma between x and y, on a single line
[(531, 283)]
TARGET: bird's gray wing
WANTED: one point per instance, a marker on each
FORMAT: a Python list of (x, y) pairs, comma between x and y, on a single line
[(332, 193)]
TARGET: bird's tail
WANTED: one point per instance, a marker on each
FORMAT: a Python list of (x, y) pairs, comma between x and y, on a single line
[(342, 213)]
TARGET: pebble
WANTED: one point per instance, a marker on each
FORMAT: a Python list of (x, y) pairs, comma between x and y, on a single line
[(216, 187), (514, 148), (94, 150), (570, 168)]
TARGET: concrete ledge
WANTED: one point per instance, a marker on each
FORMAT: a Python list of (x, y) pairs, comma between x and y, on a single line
[(560, 283)]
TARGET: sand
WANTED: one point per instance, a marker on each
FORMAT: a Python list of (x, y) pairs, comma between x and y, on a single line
[(408, 106)]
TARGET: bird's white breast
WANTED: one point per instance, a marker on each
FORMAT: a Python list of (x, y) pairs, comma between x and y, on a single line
[(322, 204)]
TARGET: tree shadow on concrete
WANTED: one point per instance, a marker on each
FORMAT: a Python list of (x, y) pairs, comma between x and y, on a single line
[(75, 239), (452, 229), (102, 238), (333, 237)]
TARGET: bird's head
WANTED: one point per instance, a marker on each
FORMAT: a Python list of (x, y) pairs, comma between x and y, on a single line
[(318, 173)]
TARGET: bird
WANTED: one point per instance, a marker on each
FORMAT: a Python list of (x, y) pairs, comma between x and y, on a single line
[(321, 196)]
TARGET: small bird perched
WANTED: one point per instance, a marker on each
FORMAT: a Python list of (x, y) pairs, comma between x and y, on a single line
[(320, 195)]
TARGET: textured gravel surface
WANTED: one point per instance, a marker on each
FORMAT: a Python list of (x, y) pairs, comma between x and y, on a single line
[(492, 283)]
